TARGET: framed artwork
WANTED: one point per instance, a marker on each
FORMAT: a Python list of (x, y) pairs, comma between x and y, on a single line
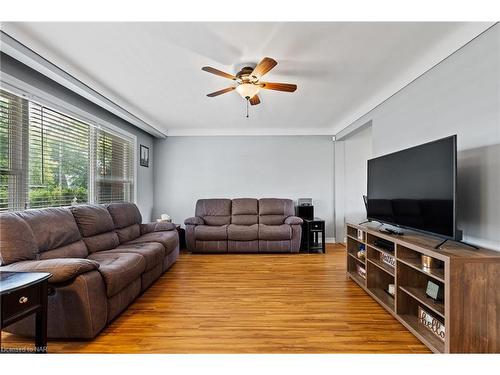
[(144, 156)]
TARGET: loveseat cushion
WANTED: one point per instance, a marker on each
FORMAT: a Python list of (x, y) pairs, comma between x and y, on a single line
[(17, 241), (152, 252), (275, 232), (215, 212), (243, 232), (274, 211), (245, 211), (210, 233), (118, 269), (293, 220), (169, 239), (62, 270), (195, 220)]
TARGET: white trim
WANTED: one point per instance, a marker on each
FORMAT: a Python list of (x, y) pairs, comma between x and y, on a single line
[(35, 95), (330, 240), (248, 131), (20, 52)]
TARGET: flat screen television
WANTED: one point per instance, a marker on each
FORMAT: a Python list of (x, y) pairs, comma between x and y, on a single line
[(416, 188)]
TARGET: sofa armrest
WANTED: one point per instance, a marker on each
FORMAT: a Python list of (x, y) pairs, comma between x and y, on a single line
[(62, 269), (196, 220), (293, 220), (156, 227)]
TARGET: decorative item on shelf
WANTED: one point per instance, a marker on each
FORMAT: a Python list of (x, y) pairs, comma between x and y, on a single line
[(431, 323), (434, 291), (384, 244), (360, 235), (361, 254), (164, 218), (388, 259), (144, 156), (429, 263), (361, 271), (391, 289)]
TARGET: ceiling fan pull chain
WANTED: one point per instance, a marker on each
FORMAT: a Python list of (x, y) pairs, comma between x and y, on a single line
[(247, 107)]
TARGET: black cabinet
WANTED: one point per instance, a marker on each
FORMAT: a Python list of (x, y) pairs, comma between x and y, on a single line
[(313, 235)]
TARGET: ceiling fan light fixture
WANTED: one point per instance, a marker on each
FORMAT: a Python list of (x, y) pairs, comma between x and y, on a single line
[(247, 90)]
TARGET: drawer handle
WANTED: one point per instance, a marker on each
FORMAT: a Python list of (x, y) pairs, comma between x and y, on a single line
[(23, 299)]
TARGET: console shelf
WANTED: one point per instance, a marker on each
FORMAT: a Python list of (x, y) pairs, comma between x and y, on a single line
[(469, 278)]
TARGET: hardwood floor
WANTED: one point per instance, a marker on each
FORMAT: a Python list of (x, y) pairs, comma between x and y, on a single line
[(297, 303)]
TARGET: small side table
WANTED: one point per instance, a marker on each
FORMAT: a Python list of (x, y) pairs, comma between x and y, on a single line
[(311, 230), (23, 294)]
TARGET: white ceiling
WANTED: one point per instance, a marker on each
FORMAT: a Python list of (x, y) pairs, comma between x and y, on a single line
[(153, 70)]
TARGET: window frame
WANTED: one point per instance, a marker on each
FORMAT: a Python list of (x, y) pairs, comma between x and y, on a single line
[(35, 95)]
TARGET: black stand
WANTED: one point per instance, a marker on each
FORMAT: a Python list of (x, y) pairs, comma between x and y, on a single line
[(459, 241)]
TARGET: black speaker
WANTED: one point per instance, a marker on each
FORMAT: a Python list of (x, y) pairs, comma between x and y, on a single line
[(305, 212)]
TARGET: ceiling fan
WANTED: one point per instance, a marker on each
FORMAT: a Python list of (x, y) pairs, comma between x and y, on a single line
[(248, 81)]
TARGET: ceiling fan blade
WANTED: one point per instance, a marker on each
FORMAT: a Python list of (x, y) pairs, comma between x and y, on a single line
[(220, 92), (263, 67), (288, 87), (255, 100), (218, 72)]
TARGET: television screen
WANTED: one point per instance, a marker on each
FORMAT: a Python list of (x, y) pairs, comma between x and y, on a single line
[(415, 188)]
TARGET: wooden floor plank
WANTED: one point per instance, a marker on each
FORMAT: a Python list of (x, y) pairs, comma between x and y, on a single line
[(295, 303)]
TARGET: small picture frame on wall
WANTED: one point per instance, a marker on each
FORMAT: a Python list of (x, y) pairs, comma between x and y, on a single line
[(144, 156)]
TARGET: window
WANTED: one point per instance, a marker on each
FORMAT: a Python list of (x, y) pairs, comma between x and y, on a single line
[(50, 159)]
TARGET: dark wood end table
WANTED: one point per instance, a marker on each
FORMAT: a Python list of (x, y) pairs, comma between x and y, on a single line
[(23, 294), (311, 230)]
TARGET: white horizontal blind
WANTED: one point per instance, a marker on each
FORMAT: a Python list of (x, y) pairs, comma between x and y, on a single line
[(13, 151), (114, 168), (50, 159), (58, 159)]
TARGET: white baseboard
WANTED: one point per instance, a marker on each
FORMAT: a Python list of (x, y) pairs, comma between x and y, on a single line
[(330, 240)]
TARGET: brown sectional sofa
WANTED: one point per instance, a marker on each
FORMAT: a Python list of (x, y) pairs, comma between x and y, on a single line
[(243, 225), (101, 258)]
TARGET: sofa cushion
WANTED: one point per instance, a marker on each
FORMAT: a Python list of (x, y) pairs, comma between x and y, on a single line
[(17, 241), (210, 233), (245, 206), (156, 227), (243, 232), (118, 269), (245, 211), (73, 250), (275, 232), (124, 214), (52, 227), (274, 211), (128, 233), (214, 211), (103, 241), (62, 270), (92, 219), (152, 252), (169, 239), (276, 206)]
